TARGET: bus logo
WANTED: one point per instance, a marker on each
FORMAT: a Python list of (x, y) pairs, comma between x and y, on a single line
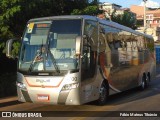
[(42, 81)]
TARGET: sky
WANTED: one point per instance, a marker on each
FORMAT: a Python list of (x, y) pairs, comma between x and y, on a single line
[(128, 3)]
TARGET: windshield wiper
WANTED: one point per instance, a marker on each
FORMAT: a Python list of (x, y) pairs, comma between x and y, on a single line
[(52, 58), (32, 63), (39, 53), (31, 67)]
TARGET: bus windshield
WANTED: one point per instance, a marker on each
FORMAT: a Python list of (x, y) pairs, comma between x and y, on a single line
[(50, 46)]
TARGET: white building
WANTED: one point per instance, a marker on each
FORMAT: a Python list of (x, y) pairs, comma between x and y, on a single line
[(109, 8)]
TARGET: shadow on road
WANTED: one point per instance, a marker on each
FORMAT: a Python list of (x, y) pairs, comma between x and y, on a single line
[(5, 104)]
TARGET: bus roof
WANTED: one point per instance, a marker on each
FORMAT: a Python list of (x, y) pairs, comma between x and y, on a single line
[(107, 22), (65, 17)]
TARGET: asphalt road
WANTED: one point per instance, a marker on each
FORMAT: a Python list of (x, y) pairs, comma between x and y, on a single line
[(131, 100)]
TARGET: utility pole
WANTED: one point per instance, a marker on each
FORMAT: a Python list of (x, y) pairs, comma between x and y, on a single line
[(144, 15)]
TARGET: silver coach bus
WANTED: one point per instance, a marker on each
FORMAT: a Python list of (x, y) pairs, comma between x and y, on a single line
[(73, 60)]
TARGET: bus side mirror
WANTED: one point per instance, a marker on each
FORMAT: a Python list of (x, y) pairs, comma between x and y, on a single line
[(12, 48), (9, 48), (78, 45)]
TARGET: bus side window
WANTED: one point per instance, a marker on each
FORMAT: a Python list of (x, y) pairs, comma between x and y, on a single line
[(88, 62), (89, 49), (86, 57)]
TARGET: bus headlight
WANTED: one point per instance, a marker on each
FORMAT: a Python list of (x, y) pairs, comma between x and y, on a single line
[(70, 86), (21, 85)]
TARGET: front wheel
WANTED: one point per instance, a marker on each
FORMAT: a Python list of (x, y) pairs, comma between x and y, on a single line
[(103, 94), (143, 84)]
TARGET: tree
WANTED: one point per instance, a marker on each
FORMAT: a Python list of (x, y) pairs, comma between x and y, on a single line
[(14, 14), (8, 9), (89, 10), (126, 19)]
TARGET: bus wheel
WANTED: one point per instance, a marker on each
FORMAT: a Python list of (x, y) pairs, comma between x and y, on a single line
[(143, 84), (103, 94), (147, 80)]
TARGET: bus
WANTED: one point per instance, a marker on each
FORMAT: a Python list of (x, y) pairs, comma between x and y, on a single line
[(73, 60)]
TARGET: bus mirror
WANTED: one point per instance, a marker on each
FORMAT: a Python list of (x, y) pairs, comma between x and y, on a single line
[(78, 44), (9, 47), (12, 48)]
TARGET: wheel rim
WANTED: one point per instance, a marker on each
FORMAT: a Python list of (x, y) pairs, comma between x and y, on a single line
[(143, 84), (102, 93)]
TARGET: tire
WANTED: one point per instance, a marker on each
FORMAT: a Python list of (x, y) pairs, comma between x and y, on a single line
[(147, 81), (103, 94), (143, 84)]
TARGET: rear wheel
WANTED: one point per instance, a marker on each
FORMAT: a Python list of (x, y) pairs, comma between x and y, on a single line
[(144, 83), (103, 94), (147, 80)]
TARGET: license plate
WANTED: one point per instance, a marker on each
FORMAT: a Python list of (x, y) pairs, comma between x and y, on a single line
[(43, 97)]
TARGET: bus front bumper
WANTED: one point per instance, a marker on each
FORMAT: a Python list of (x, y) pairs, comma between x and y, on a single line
[(49, 96)]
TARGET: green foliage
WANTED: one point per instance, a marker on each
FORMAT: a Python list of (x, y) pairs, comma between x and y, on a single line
[(8, 9), (76, 12), (16, 48), (2, 46), (125, 19), (89, 10), (150, 46)]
